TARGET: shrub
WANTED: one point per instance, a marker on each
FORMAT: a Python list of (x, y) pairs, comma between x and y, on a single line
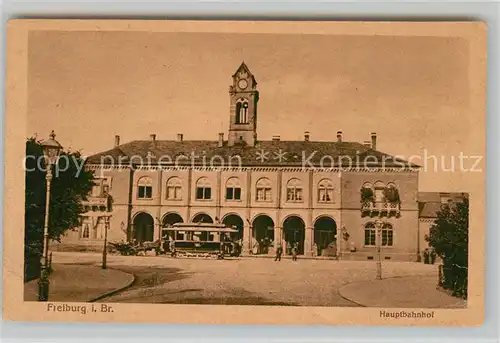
[(449, 237), (367, 195)]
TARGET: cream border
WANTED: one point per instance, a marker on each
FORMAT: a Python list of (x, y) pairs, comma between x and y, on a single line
[(16, 87)]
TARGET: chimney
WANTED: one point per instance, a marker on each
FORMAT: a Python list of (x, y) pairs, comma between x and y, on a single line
[(367, 144), (179, 137), (117, 141), (339, 136), (276, 138), (152, 137), (306, 136), (221, 139), (374, 140)]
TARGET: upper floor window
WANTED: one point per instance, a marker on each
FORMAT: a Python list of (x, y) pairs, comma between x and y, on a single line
[(97, 188), (174, 189), (325, 191), (391, 193), (233, 189), (379, 188), (294, 190), (203, 189), (242, 111), (263, 190), (145, 188), (367, 195), (100, 187)]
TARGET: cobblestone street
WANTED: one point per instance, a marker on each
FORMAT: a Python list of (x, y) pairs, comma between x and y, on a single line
[(245, 281)]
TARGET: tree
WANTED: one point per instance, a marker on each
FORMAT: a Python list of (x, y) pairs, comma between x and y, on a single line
[(449, 237), (69, 187)]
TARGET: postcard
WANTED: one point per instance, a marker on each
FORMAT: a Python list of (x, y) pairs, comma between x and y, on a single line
[(245, 172)]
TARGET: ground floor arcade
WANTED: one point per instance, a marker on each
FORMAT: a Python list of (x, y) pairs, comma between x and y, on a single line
[(260, 236)]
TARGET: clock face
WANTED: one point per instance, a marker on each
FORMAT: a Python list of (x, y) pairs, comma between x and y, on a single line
[(242, 84)]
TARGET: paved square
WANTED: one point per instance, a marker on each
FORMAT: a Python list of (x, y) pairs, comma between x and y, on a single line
[(245, 281)]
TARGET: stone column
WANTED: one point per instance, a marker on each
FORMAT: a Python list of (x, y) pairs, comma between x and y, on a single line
[(247, 240), (278, 236), (338, 242), (277, 240), (308, 242), (158, 226)]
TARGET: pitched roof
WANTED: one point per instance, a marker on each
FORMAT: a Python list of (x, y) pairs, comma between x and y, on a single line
[(244, 68), (429, 203), (429, 209), (264, 153)]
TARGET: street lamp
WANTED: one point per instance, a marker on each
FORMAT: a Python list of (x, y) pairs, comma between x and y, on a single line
[(107, 217), (378, 226), (105, 248), (51, 150)]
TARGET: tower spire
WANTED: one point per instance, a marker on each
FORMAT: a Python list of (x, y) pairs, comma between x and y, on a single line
[(243, 97)]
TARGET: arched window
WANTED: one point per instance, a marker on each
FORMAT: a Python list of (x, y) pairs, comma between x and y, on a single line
[(367, 196), (242, 111), (391, 194), (233, 189), (370, 235), (145, 188), (203, 189), (387, 235), (379, 191), (174, 188), (367, 185), (294, 190), (325, 190), (263, 190)]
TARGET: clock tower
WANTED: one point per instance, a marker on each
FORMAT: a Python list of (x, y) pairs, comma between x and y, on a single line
[(243, 97)]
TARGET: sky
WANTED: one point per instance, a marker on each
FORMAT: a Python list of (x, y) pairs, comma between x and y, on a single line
[(414, 92)]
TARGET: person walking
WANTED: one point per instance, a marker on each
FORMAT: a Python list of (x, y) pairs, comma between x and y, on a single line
[(172, 248), (294, 252), (279, 252)]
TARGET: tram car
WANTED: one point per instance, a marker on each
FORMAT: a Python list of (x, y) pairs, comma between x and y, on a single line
[(199, 240)]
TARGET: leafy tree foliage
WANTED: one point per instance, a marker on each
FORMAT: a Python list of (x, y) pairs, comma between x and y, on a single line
[(449, 236), (69, 187)]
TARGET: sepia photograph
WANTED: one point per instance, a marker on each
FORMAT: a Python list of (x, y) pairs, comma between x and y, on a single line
[(245, 168)]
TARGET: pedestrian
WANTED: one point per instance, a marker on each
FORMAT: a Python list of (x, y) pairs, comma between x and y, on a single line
[(279, 252), (172, 248), (294, 252)]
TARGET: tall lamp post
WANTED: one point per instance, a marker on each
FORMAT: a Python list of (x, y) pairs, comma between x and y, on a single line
[(105, 247), (378, 226), (106, 228), (51, 150)]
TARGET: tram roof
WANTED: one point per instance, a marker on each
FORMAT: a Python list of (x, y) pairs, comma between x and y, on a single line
[(200, 227)]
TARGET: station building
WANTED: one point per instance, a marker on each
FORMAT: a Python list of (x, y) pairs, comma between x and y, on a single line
[(332, 198)]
